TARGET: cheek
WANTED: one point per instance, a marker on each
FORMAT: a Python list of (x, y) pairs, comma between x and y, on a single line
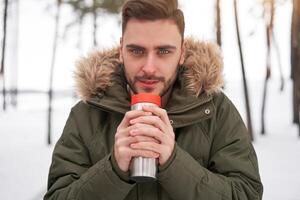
[(130, 68), (170, 70)]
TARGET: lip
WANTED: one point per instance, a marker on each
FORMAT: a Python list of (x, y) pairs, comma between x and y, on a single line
[(148, 84)]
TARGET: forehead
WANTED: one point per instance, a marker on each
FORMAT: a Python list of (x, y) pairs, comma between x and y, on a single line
[(152, 33)]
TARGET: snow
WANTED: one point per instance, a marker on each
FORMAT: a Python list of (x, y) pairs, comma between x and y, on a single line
[(278, 150), (24, 155)]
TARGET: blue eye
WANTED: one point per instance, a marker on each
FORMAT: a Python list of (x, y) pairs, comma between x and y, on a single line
[(163, 51), (136, 51)]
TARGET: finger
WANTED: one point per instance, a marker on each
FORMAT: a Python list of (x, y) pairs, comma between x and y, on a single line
[(143, 153), (124, 132), (127, 153), (149, 131), (148, 146), (162, 113), (126, 141), (140, 138), (130, 129), (142, 127), (151, 120), (131, 115)]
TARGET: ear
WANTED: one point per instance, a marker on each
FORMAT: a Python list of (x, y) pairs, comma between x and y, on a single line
[(183, 52), (120, 50)]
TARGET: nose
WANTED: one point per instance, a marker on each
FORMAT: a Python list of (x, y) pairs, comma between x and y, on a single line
[(149, 67)]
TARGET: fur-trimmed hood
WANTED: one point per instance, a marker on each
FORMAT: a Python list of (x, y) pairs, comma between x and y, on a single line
[(203, 63)]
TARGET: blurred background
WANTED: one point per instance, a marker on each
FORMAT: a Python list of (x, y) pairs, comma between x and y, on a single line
[(41, 41)]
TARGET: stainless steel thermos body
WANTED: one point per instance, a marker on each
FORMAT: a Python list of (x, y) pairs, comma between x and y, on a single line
[(143, 169)]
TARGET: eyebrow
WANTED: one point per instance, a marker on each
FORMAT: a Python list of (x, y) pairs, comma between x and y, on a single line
[(134, 46)]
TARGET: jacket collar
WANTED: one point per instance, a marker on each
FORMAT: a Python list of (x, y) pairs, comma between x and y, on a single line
[(99, 80)]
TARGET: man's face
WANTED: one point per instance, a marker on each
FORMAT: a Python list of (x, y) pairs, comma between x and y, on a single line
[(151, 52)]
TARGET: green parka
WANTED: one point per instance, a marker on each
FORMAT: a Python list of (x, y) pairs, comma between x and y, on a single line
[(213, 158)]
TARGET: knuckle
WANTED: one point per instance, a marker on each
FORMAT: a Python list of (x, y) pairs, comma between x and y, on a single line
[(117, 143), (118, 129), (164, 112), (118, 149), (127, 115), (118, 134)]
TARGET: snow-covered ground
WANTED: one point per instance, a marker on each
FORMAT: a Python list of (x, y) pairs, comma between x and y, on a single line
[(24, 155), (278, 150)]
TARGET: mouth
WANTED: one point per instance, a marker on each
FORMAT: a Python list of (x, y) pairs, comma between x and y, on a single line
[(148, 83)]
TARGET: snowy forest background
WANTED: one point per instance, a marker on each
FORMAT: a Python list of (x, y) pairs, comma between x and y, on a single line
[(25, 154)]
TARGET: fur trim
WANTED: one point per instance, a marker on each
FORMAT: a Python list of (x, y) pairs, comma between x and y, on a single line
[(93, 73), (205, 67), (203, 72)]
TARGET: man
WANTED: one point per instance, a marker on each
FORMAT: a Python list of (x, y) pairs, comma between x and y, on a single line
[(198, 137)]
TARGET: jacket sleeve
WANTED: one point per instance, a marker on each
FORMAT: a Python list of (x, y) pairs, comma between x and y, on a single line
[(232, 173), (72, 176)]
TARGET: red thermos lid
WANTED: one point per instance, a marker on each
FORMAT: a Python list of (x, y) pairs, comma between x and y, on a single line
[(146, 98)]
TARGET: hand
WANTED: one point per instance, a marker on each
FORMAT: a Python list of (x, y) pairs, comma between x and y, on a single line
[(159, 127), (122, 150)]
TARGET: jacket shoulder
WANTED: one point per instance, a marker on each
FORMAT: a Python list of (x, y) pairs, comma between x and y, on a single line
[(229, 124), (224, 106), (86, 119), (220, 98), (81, 107), (83, 111)]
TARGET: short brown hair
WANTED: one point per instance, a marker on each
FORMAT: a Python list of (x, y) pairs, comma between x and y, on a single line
[(153, 10)]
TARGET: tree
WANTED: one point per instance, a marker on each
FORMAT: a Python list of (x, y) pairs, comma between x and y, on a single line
[(2, 69), (295, 60), (14, 44), (269, 10), (50, 91), (249, 121), (218, 22), (268, 15), (83, 8)]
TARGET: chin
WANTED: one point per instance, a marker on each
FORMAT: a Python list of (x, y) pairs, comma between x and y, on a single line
[(152, 91)]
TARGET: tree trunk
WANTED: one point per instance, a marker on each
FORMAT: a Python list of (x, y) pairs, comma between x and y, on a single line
[(50, 91), (295, 58), (2, 70), (15, 46), (95, 43), (275, 43), (249, 121), (218, 22), (269, 18)]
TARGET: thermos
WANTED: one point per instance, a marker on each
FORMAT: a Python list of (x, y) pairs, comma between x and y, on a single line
[(144, 169)]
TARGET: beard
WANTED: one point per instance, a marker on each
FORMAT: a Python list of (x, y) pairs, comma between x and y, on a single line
[(167, 84)]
